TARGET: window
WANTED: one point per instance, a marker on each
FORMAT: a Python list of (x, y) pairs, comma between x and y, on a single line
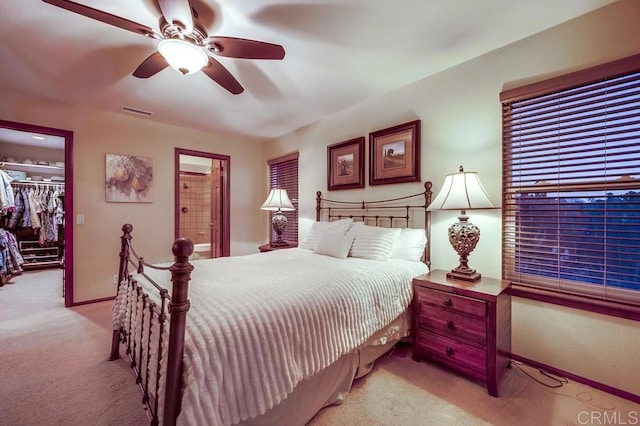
[(571, 187), (283, 173)]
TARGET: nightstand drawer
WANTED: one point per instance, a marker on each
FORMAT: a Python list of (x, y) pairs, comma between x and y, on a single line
[(453, 325), (464, 325), (454, 353), (454, 302)]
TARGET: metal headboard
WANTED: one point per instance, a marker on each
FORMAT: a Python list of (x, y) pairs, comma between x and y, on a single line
[(390, 212)]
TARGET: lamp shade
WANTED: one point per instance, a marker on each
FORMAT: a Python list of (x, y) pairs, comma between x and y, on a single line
[(185, 57), (462, 191), (277, 200)]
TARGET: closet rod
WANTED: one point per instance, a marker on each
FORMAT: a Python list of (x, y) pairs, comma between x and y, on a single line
[(37, 183)]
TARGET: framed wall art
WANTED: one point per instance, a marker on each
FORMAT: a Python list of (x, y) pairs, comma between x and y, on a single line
[(395, 154), (129, 179), (345, 164)]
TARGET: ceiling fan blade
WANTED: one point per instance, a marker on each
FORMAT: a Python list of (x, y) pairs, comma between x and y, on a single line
[(177, 11), (233, 47), (218, 73), (151, 66), (105, 17)]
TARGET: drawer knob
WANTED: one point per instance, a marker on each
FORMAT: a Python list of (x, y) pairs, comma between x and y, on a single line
[(450, 325), (449, 351), (448, 303)]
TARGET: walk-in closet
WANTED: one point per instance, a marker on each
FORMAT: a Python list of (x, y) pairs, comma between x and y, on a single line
[(32, 198)]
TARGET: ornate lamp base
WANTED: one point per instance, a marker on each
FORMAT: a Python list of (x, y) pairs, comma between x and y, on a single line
[(463, 237), (470, 275), (279, 223)]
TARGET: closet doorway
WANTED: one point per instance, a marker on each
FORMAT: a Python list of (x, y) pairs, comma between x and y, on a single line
[(42, 157), (202, 191)]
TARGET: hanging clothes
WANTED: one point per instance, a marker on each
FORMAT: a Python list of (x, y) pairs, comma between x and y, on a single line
[(6, 192), (10, 256), (18, 211), (26, 216), (59, 215), (33, 210)]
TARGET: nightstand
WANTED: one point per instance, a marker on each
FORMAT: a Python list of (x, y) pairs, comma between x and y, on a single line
[(268, 247), (463, 325)]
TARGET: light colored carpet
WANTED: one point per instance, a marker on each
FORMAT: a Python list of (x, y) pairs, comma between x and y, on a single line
[(54, 371), (53, 360)]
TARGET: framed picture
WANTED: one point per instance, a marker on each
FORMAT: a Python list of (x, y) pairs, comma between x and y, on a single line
[(345, 164), (129, 179), (395, 154)]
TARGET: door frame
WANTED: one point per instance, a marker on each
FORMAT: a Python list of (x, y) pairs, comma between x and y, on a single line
[(226, 195), (68, 196)]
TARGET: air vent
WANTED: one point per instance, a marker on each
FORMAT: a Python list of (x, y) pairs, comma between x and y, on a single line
[(136, 111)]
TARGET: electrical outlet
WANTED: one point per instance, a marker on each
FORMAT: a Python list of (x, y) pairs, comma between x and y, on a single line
[(115, 279)]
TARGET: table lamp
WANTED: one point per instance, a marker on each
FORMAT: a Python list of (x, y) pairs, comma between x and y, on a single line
[(278, 201), (462, 191)]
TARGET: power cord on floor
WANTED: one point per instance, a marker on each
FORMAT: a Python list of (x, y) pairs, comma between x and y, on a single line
[(559, 381), (584, 397)]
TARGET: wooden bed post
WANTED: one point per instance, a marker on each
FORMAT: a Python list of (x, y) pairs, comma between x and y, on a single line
[(122, 272), (178, 308)]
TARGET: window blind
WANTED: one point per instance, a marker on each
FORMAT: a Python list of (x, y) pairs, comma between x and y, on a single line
[(283, 174), (571, 183)]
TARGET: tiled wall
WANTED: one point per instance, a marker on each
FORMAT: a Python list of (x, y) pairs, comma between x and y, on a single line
[(195, 196)]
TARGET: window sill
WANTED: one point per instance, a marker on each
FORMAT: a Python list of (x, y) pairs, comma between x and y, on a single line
[(604, 307)]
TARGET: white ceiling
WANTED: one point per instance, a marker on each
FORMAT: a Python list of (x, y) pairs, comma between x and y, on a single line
[(31, 139), (338, 53)]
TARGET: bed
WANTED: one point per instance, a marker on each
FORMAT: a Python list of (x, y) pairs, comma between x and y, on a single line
[(271, 338)]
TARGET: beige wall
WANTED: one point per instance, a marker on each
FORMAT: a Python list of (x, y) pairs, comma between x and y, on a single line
[(97, 133), (461, 124)]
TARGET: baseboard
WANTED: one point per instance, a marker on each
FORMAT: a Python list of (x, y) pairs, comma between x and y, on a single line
[(87, 302), (605, 388)]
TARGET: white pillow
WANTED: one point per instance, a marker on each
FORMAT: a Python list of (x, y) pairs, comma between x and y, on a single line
[(334, 245), (310, 241), (410, 245), (373, 242)]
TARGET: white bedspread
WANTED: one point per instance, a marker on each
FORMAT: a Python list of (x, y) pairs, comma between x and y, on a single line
[(260, 324)]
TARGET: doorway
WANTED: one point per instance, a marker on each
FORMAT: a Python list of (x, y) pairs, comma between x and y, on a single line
[(28, 140), (202, 191)]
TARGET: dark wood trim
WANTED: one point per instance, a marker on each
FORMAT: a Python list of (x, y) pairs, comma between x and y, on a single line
[(226, 194), (577, 78), (288, 157), (576, 378), (68, 197), (192, 173), (599, 306)]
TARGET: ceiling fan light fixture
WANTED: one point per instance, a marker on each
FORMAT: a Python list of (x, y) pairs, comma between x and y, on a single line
[(184, 57)]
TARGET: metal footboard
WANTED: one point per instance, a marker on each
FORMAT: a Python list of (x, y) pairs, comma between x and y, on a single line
[(151, 327)]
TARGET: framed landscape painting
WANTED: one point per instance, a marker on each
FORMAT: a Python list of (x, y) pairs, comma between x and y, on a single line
[(345, 167), (395, 154)]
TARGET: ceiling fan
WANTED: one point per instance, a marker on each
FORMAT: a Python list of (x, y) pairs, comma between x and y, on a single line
[(184, 42)]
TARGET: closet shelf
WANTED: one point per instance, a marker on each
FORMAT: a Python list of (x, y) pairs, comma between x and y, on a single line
[(37, 256), (33, 168)]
